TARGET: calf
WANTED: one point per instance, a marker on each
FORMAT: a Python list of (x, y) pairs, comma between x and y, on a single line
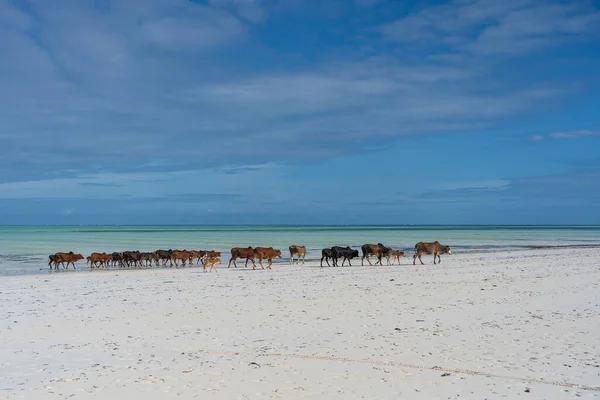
[(211, 262), (297, 251), (240, 252), (434, 248), (52, 260), (394, 254)]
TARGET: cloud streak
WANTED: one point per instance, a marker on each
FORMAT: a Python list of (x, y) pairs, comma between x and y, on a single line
[(576, 134)]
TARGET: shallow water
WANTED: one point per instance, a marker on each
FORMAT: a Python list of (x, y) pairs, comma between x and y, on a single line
[(24, 250)]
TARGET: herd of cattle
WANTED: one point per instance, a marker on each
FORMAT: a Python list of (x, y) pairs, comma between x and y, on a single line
[(210, 258)]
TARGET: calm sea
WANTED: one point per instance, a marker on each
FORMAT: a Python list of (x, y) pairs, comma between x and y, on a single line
[(24, 250)]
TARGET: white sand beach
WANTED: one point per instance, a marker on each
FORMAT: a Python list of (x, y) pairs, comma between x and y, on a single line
[(513, 324)]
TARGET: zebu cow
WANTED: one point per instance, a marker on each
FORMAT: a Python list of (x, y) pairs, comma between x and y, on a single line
[(211, 262), (117, 258), (434, 248), (164, 256), (131, 257), (181, 255), (297, 251), (69, 258), (240, 252), (378, 250), (197, 255), (326, 254), (267, 253), (345, 252), (99, 260), (394, 254)]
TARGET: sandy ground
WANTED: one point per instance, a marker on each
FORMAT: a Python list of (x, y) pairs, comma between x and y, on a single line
[(520, 324)]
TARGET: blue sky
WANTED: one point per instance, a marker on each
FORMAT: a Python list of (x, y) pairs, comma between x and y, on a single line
[(298, 111)]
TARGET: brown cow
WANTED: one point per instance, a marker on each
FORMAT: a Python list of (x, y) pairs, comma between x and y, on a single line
[(197, 255), (299, 251), (394, 254), (182, 255), (212, 263), (434, 248), (240, 252), (378, 250), (267, 253), (99, 260), (69, 258)]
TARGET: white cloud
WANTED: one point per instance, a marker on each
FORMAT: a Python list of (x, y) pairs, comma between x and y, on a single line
[(576, 134), (496, 27)]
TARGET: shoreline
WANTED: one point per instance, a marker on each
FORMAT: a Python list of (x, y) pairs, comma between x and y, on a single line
[(463, 250)]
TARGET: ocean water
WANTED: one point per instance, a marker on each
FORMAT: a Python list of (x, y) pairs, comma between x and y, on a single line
[(25, 250)]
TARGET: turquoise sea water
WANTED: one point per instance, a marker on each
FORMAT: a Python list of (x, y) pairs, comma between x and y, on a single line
[(24, 250)]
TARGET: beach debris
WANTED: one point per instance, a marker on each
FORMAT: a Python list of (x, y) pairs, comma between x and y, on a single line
[(527, 390), (254, 364), (446, 374), (397, 329), (392, 280)]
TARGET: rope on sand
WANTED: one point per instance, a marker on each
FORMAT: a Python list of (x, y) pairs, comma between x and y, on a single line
[(407, 365)]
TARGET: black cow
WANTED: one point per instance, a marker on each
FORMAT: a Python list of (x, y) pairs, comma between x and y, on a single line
[(164, 256), (326, 254), (132, 257), (117, 258), (346, 252)]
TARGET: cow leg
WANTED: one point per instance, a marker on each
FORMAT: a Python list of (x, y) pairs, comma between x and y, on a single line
[(322, 261), (434, 258), (349, 263), (260, 262), (369, 259), (270, 263), (439, 259), (422, 263)]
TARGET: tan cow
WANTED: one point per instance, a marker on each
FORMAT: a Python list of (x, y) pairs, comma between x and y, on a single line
[(434, 248), (241, 252), (211, 262), (267, 253), (297, 251), (394, 254)]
